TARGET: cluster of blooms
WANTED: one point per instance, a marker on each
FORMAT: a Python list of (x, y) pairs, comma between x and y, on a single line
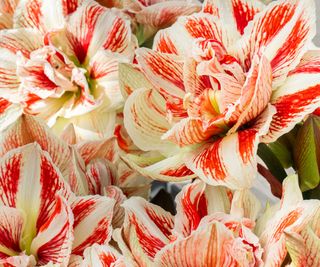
[(89, 117)]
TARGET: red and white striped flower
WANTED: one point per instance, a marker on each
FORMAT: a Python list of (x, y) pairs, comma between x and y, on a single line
[(219, 82), (61, 63), (42, 221), (217, 227)]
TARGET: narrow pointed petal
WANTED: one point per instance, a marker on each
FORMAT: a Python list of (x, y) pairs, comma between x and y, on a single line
[(92, 221), (146, 230), (283, 32), (11, 227), (191, 131), (192, 205), (216, 165), (171, 169), (297, 97), (145, 121), (54, 239)]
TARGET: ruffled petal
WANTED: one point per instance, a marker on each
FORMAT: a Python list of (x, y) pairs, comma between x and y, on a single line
[(146, 230), (297, 97), (283, 32)]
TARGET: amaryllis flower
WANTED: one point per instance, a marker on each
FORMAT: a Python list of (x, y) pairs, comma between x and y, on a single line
[(35, 217), (218, 83), (152, 236), (64, 69), (225, 227), (42, 221)]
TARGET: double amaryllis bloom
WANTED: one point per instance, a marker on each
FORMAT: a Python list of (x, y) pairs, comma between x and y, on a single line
[(62, 64), (217, 227), (217, 83)]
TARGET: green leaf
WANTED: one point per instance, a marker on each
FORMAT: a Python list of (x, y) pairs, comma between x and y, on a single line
[(131, 79), (273, 163), (307, 153), (282, 153)]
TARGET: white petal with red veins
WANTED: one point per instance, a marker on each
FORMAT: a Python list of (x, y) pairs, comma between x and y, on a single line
[(54, 239), (92, 221), (228, 161)]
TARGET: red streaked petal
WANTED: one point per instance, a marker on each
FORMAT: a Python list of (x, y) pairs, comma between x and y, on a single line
[(190, 131), (103, 149), (92, 27), (21, 40), (292, 217), (11, 227), (303, 248), (164, 71), (54, 239), (214, 241), (192, 206), (31, 185), (104, 256), (28, 129), (145, 121), (92, 221), (9, 113), (163, 43), (171, 169), (28, 14), (282, 31), (228, 161), (146, 230), (235, 12), (8, 6), (161, 15), (297, 97), (255, 94)]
